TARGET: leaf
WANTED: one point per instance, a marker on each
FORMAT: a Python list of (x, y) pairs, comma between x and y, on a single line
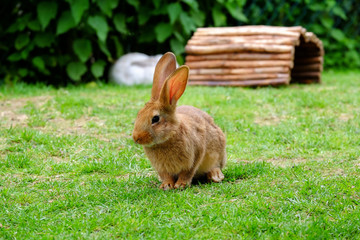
[(327, 22), (354, 57), (317, 28), (218, 17), (269, 6), (15, 27), (99, 24), (65, 23), (34, 25), (163, 31), (21, 41), (143, 15), (46, 11), (337, 34), (157, 3), (162, 10), (107, 6), (179, 36), (104, 49), (120, 24), (176, 46), (235, 11), (180, 59), (39, 63), (27, 49), (75, 70), (198, 18), (134, 3), (119, 48), (44, 39), (16, 56), (83, 49), (174, 11), (192, 3), (187, 23), (78, 7), (23, 72), (20, 24), (338, 11), (97, 68), (316, 6)]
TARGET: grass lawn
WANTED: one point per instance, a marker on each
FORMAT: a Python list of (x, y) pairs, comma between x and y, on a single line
[(69, 168)]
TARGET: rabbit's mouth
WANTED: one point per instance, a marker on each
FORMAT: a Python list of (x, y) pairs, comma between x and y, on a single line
[(143, 138)]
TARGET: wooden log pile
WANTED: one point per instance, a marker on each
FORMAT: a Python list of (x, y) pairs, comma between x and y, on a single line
[(253, 56)]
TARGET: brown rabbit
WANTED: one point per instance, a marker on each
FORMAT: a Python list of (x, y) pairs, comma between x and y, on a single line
[(181, 142)]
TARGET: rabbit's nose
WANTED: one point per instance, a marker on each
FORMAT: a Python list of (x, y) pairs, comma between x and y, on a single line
[(136, 138), (141, 138)]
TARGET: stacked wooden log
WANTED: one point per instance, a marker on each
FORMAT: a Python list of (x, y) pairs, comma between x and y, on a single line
[(253, 56)]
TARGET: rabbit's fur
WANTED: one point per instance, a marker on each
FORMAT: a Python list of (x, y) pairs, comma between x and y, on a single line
[(181, 142)]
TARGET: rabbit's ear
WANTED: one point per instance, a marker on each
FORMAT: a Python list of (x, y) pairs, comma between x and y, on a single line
[(174, 86), (165, 66)]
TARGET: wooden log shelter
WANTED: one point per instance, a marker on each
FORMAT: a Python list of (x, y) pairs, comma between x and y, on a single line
[(254, 56)]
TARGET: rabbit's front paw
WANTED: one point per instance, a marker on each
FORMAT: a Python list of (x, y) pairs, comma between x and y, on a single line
[(181, 184), (166, 185)]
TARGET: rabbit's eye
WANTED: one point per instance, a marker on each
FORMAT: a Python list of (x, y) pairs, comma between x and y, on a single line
[(155, 119)]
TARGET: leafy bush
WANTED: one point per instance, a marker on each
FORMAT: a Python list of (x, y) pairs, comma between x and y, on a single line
[(70, 41), (336, 23)]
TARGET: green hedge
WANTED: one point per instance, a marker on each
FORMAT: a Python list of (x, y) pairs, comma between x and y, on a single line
[(70, 41)]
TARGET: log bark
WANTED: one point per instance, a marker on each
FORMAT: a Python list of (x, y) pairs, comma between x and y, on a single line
[(259, 82), (246, 37), (241, 56), (253, 56), (238, 77), (311, 37), (229, 71), (308, 45), (263, 27), (238, 31), (239, 64), (236, 40), (244, 47)]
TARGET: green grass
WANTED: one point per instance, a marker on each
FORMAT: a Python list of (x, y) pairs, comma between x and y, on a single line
[(70, 170)]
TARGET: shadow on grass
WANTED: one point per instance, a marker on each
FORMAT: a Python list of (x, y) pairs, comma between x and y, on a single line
[(137, 187), (238, 171)]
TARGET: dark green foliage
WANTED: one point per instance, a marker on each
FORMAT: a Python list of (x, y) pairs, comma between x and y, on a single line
[(336, 23), (70, 41)]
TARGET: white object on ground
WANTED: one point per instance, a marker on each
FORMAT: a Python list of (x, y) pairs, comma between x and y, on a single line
[(133, 69)]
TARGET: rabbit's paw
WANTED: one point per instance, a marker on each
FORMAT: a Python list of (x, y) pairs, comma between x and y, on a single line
[(166, 185), (215, 175), (181, 184)]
